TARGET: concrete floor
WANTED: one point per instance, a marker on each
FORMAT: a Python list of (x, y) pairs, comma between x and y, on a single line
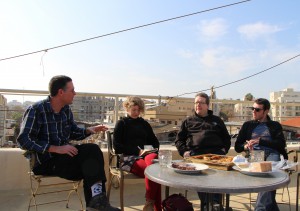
[(134, 198)]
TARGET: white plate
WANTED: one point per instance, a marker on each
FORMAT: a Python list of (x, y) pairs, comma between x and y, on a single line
[(157, 161), (251, 173), (199, 168)]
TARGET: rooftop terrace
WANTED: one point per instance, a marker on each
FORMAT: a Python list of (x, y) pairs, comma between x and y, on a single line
[(14, 188)]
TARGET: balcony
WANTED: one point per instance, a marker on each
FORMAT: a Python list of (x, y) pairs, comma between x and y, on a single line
[(14, 187)]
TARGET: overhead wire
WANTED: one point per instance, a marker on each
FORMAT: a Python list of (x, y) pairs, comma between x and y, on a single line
[(236, 81), (153, 23), (124, 30)]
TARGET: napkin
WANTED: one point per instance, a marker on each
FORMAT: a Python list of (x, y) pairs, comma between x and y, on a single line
[(285, 164), (239, 159)]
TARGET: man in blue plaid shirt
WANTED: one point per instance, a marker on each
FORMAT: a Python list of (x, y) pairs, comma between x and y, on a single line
[(46, 130)]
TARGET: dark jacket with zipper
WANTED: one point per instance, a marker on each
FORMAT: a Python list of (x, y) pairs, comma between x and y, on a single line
[(277, 143), (202, 135)]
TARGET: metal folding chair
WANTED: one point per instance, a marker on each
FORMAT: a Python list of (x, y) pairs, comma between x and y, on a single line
[(41, 185), (116, 174)]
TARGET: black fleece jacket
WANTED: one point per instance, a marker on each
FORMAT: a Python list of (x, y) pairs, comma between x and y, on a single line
[(277, 143), (202, 135)]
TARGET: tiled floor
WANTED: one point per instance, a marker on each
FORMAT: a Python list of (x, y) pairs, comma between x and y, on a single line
[(134, 199)]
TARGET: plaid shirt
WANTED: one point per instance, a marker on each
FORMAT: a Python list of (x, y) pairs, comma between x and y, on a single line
[(41, 127)]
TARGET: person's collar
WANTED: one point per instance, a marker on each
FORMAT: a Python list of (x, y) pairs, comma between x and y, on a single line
[(50, 107), (267, 119), (209, 112)]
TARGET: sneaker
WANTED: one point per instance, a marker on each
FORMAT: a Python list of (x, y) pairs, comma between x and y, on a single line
[(100, 203)]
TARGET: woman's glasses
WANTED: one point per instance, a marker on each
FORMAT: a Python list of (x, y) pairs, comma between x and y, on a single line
[(256, 109)]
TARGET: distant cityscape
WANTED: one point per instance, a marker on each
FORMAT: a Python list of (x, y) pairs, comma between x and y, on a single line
[(165, 115)]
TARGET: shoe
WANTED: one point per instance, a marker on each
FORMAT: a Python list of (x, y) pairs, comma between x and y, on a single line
[(217, 207), (149, 205), (100, 203)]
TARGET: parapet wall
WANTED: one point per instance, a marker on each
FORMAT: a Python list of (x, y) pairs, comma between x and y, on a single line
[(14, 166)]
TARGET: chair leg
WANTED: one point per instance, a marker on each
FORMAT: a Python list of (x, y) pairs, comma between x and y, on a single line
[(34, 191), (75, 189), (185, 193), (250, 201), (297, 193), (289, 198), (122, 193), (109, 184)]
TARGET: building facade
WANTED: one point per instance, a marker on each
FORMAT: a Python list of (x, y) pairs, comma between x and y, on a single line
[(93, 108), (242, 112), (285, 104), (3, 108)]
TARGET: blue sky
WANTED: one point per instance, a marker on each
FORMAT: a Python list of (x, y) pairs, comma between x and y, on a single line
[(171, 58)]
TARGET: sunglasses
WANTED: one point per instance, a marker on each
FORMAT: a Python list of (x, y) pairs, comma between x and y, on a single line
[(256, 109)]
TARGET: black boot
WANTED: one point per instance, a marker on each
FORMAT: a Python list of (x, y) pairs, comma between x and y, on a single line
[(100, 203)]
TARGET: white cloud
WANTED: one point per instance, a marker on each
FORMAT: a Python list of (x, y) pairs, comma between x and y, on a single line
[(224, 61), (185, 54), (213, 29), (256, 30)]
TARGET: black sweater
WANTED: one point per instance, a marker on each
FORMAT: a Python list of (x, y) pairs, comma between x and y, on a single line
[(129, 134), (202, 135)]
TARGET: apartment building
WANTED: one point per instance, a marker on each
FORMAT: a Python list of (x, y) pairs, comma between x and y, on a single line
[(242, 112), (93, 108), (162, 114), (3, 108), (285, 104)]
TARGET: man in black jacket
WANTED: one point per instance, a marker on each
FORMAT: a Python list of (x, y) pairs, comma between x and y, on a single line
[(203, 133), (262, 133)]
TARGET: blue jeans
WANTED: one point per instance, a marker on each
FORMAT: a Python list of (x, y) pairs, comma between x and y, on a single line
[(266, 200)]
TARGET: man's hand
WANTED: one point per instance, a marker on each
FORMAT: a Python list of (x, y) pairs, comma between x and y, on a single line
[(250, 144), (187, 154), (96, 129), (65, 149)]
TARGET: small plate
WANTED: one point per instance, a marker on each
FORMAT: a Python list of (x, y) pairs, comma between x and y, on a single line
[(251, 173), (199, 168)]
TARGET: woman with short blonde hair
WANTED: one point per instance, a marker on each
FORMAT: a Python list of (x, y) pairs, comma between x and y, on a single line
[(134, 101), (131, 134)]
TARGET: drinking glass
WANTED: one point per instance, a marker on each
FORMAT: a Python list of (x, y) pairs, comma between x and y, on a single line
[(257, 155), (164, 157)]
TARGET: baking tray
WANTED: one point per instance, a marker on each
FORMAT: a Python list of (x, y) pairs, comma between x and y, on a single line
[(213, 161)]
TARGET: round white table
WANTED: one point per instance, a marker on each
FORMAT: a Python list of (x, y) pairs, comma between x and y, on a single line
[(217, 181)]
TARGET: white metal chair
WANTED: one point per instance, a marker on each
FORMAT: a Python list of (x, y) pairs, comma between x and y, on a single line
[(41, 185), (289, 172)]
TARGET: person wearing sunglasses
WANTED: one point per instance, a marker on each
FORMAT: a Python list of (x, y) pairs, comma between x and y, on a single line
[(203, 133), (262, 133)]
